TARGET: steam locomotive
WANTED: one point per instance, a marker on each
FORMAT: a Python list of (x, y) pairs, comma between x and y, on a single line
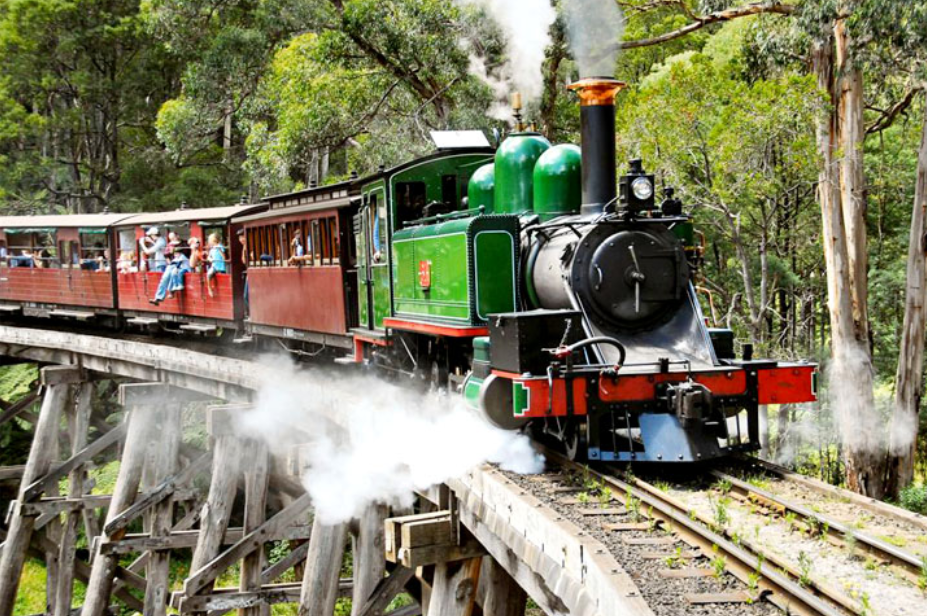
[(554, 296)]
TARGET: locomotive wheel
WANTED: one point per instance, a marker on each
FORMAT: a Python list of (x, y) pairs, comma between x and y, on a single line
[(575, 443)]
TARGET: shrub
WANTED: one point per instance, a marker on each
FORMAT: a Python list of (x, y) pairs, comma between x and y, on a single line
[(914, 498)]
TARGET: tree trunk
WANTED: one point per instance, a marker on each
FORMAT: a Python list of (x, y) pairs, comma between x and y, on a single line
[(909, 385), (852, 180), (850, 371)]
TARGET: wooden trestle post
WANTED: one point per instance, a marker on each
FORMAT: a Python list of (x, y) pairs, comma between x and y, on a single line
[(256, 482), (454, 589), (44, 452), (157, 589), (78, 422), (226, 471), (503, 596), (142, 401), (369, 560), (323, 568)]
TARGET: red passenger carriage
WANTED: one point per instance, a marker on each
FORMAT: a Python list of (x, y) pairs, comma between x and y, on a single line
[(194, 308), (302, 275), (58, 265)]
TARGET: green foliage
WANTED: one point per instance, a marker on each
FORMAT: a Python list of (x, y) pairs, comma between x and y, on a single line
[(914, 498)]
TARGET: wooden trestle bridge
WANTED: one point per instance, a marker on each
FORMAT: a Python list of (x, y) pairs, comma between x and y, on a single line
[(478, 543)]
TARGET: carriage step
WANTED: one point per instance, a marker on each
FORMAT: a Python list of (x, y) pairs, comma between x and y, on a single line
[(198, 328), (72, 314), (145, 321), (10, 308)]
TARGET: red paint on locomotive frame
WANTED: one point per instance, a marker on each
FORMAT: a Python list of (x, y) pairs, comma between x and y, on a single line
[(539, 397), (433, 329), (642, 387), (786, 384)]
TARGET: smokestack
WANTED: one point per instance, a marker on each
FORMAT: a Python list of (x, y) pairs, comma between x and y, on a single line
[(597, 117)]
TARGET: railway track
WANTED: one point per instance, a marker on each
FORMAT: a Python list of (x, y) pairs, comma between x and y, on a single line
[(839, 533), (767, 578)]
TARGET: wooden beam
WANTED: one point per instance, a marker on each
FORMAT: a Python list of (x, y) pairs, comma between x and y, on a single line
[(289, 561), (504, 597), (21, 527), (140, 433), (454, 590), (9, 473), (217, 511), (180, 540), (320, 580), (386, 590), (78, 421), (19, 406), (208, 572), (224, 599), (158, 494), (80, 458), (157, 589), (256, 480), (369, 561)]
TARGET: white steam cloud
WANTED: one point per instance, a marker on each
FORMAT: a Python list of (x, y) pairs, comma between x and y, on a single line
[(365, 440), (526, 26), (593, 29)]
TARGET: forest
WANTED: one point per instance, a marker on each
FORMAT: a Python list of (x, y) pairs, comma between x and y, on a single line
[(795, 131)]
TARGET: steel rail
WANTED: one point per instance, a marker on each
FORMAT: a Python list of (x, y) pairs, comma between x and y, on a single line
[(780, 589), (871, 504), (909, 563)]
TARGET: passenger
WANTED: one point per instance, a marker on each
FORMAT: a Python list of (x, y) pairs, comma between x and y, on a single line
[(25, 259), (153, 246), (298, 251), (216, 260), (173, 241), (172, 280), (42, 259), (126, 263), (102, 257), (196, 255)]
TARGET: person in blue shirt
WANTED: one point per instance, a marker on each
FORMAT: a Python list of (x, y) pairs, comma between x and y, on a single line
[(216, 260)]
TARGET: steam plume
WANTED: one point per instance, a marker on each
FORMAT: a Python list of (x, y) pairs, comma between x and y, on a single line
[(593, 28), (371, 441), (526, 26)]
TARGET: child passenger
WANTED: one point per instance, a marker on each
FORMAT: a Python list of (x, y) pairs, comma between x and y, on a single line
[(216, 260)]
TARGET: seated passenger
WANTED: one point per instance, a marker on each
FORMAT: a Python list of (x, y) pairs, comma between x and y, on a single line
[(25, 259), (43, 259), (126, 263), (172, 280), (297, 251), (196, 254), (216, 260)]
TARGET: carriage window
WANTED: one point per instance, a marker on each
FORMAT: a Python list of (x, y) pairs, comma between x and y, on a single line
[(449, 190), (410, 200)]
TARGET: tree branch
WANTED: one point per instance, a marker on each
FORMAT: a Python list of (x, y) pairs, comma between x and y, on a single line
[(888, 116), (755, 8)]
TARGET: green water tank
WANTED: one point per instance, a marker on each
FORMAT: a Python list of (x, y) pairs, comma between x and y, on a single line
[(480, 188), (558, 187), (514, 170)]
